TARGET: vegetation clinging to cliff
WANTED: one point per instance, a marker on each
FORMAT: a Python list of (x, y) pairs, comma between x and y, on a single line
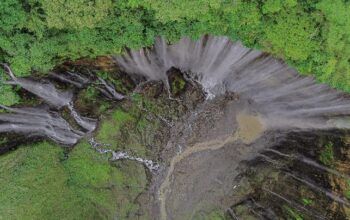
[(311, 35)]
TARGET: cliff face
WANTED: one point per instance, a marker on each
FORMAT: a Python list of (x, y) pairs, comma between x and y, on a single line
[(194, 130)]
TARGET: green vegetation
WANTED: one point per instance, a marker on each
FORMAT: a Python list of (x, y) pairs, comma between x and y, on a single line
[(91, 92), (89, 101), (117, 122), (293, 214), (120, 83), (3, 140), (243, 212), (347, 192), (7, 95), (312, 35), (307, 201), (46, 181), (38, 184), (327, 154), (134, 126), (177, 85)]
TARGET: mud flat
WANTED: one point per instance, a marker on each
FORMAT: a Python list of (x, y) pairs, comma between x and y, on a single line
[(201, 176), (217, 173)]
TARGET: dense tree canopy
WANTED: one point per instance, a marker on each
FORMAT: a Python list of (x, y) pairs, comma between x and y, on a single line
[(311, 35)]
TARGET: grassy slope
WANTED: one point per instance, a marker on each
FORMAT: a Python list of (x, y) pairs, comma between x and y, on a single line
[(38, 184)]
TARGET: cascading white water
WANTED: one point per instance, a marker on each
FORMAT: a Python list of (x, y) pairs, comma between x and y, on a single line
[(46, 91), (40, 121), (121, 155), (283, 97), (280, 96), (86, 123)]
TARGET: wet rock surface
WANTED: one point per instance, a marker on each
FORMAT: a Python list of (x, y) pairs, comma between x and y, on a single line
[(233, 133), (216, 157), (289, 180)]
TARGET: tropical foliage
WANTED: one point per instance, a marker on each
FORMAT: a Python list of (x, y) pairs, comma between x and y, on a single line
[(311, 35)]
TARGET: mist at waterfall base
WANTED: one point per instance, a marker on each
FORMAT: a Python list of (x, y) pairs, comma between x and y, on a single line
[(284, 98), (284, 102)]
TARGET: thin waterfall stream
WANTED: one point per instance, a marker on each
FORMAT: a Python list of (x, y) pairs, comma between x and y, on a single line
[(242, 132), (270, 94)]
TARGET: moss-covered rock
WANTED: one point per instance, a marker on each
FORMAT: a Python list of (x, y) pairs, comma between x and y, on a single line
[(42, 180)]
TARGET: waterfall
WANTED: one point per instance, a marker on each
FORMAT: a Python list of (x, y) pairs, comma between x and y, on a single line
[(86, 123), (110, 90), (285, 99), (39, 122), (75, 79), (44, 90), (273, 100)]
